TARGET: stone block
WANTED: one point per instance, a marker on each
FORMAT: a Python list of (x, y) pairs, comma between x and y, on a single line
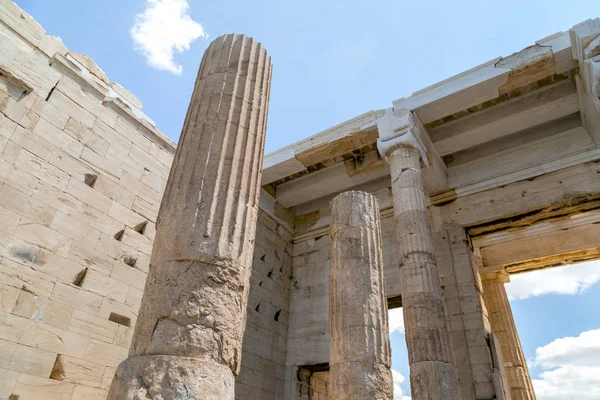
[(21, 22), (26, 359), (109, 372), (143, 158), (22, 277), (70, 107), (42, 169), (16, 329), (50, 113), (60, 341), (125, 215), (8, 380), (106, 354), (7, 126), (79, 298), (86, 137), (23, 204), (29, 120), (74, 229), (123, 336), (134, 297), (92, 326), (126, 94), (89, 257), (36, 387), (114, 137), (38, 74), (88, 195), (90, 65), (148, 209), (82, 372), (17, 177), (8, 297), (110, 306), (9, 220), (44, 310), (137, 241), (129, 130), (101, 163), (129, 275), (50, 45), (42, 236), (32, 143), (138, 188), (105, 286), (88, 393)]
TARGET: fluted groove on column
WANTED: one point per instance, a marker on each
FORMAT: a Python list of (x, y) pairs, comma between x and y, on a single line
[(192, 318), (432, 373), (360, 356), (503, 325)]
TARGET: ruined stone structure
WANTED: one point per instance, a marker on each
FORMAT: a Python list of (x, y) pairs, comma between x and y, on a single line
[(360, 357), (188, 339), (500, 164)]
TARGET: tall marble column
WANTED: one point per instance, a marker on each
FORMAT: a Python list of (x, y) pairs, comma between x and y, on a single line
[(432, 373), (188, 337), (504, 328), (359, 352)]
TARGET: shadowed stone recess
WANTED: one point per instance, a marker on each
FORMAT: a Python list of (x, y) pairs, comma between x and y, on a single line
[(193, 311), (360, 357)]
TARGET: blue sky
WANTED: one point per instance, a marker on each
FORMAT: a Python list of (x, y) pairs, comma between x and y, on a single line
[(334, 60)]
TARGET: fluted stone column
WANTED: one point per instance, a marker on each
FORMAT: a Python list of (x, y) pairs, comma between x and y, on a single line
[(359, 352), (504, 328), (187, 342), (432, 373)]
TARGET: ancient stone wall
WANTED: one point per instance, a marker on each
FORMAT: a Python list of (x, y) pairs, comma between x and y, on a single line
[(82, 171)]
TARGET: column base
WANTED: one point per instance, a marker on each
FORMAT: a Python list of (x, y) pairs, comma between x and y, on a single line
[(171, 377), (361, 380), (434, 380)]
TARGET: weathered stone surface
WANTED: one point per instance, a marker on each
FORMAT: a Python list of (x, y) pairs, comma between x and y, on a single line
[(505, 332), (197, 287), (170, 377), (432, 373), (360, 357)]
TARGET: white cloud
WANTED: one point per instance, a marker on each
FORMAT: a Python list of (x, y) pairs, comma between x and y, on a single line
[(163, 29), (571, 368), (396, 320), (398, 380), (569, 280)]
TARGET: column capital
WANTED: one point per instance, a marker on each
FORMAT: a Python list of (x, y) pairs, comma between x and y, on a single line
[(501, 276), (400, 129)]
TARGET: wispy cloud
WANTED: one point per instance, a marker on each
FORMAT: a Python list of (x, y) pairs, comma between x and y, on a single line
[(570, 367), (570, 280), (164, 29), (398, 381), (396, 320)]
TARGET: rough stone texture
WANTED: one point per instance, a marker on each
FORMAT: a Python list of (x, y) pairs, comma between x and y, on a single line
[(169, 377), (468, 324), (360, 357), (432, 372), (505, 332), (194, 303)]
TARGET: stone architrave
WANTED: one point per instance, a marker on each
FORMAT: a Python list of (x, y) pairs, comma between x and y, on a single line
[(432, 373), (360, 357), (187, 342), (504, 329)]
